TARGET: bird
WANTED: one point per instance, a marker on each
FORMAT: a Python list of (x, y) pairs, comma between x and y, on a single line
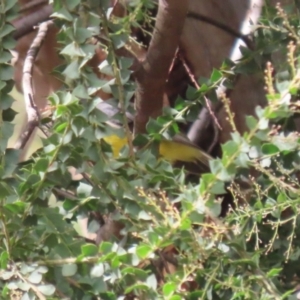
[(179, 149)]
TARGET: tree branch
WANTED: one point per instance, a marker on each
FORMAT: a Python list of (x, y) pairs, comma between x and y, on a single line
[(152, 74), (31, 109), (25, 24)]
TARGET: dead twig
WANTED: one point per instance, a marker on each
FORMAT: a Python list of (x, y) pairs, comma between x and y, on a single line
[(63, 193), (200, 125), (206, 115), (207, 101), (31, 109), (33, 287)]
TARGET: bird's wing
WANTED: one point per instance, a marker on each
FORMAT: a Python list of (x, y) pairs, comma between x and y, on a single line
[(180, 148)]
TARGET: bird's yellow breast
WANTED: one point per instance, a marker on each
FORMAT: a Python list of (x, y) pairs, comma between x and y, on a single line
[(116, 143)]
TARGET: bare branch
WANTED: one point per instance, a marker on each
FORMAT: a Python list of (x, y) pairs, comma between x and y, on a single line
[(25, 24), (32, 5), (222, 26), (152, 74), (31, 109), (206, 115), (198, 128), (32, 286)]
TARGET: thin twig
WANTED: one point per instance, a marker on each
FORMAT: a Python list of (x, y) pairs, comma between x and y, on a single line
[(32, 286), (63, 193), (31, 109), (250, 19), (69, 260), (174, 60), (206, 112)]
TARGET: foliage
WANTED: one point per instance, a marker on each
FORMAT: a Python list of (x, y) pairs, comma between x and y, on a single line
[(173, 245)]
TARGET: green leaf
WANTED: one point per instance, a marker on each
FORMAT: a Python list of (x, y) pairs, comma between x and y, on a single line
[(11, 159), (78, 126), (25, 269), (6, 101), (63, 14), (42, 269), (106, 68), (289, 142), (5, 190), (73, 50), (153, 237), (169, 288), (223, 247), (263, 124), (6, 30), (16, 207), (6, 275), (196, 216), (46, 289), (35, 277), (99, 286), (218, 187), (152, 282), (215, 208), (219, 170), (97, 270), (119, 40), (274, 272), (2, 86), (84, 190), (144, 216), (6, 72), (185, 224), (105, 247), (89, 250), (125, 62), (153, 126), (204, 88), (81, 91), (5, 57), (82, 34), (4, 258), (9, 115), (230, 148), (72, 70), (42, 165), (6, 131), (69, 270), (175, 297), (10, 4), (9, 43), (251, 122), (266, 162), (215, 76), (24, 286), (143, 251)]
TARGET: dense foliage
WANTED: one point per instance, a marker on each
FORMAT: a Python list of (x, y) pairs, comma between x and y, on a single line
[(173, 244)]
